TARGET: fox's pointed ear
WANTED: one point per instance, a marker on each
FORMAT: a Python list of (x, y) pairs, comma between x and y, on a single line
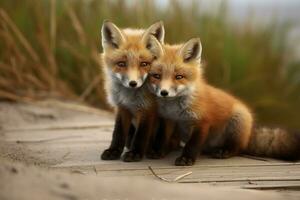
[(154, 46), (191, 50), (157, 30), (112, 36)]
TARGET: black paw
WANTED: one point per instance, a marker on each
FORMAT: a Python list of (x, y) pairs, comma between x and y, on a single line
[(111, 154), (132, 156), (155, 155), (222, 154), (184, 161)]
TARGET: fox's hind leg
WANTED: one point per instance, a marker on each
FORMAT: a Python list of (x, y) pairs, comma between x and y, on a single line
[(237, 133)]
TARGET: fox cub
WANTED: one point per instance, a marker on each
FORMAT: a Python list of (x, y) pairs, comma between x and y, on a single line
[(127, 56), (212, 120)]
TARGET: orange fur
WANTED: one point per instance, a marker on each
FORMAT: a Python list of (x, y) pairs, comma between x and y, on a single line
[(211, 108), (215, 116), (126, 58)]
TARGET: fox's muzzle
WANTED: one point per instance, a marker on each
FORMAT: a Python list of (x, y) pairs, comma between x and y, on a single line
[(135, 79), (167, 89), (132, 79)]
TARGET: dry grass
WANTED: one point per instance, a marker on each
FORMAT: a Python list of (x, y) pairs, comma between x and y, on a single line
[(50, 49)]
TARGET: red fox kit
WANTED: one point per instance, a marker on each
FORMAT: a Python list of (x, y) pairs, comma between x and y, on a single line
[(127, 56), (214, 120)]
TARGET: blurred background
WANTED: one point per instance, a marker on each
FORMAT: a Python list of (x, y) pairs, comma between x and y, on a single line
[(50, 48)]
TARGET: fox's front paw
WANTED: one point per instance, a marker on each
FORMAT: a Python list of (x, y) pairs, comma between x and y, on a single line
[(184, 161), (111, 154), (132, 156)]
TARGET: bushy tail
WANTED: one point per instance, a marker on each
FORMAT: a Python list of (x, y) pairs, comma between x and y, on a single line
[(275, 143)]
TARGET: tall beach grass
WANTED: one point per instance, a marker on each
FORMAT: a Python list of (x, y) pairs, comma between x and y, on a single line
[(51, 48)]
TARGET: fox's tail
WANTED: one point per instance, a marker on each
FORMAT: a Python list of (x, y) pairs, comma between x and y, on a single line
[(274, 143)]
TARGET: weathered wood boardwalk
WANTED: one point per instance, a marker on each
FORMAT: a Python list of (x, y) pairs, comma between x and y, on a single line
[(72, 138)]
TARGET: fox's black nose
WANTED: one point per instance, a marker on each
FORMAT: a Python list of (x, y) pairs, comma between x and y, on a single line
[(164, 93), (132, 84)]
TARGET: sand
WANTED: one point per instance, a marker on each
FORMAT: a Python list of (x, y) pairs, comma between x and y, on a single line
[(51, 150)]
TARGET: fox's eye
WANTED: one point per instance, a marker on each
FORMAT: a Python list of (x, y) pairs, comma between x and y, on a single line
[(178, 77), (144, 64), (157, 76), (121, 64)]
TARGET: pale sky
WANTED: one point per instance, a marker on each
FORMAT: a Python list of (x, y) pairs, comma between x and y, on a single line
[(284, 9)]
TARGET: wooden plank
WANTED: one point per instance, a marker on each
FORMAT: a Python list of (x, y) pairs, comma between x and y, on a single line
[(28, 182), (247, 179), (99, 134), (18, 117), (75, 145), (273, 187), (65, 126)]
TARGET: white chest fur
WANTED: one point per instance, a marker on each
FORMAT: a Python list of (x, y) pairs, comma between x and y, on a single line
[(176, 109), (132, 99)]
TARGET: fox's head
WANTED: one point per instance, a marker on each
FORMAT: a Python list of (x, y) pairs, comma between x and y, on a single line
[(128, 53), (177, 69)]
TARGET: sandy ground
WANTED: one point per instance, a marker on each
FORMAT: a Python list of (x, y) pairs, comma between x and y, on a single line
[(22, 121), (19, 181), (50, 150)]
